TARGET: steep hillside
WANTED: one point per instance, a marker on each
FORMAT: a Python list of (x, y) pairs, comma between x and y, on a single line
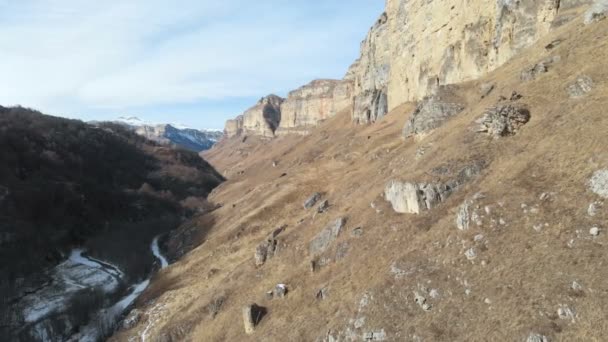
[(475, 214), (66, 184)]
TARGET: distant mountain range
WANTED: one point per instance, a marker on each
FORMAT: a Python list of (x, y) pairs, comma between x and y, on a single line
[(175, 134)]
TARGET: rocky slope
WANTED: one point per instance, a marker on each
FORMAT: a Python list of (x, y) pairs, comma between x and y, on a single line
[(474, 214), (188, 138), (416, 46)]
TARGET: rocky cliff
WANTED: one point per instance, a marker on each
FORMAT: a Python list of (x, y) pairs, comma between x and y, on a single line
[(312, 103), (416, 46), (261, 119)]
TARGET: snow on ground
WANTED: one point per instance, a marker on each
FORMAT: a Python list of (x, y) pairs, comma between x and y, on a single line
[(156, 251), (76, 273)]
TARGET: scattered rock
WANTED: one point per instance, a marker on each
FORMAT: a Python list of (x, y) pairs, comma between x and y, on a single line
[(132, 319), (594, 208), (553, 44), (487, 301), (323, 240), (280, 291), (576, 286), (534, 337), (595, 231), (431, 113), (379, 335), (322, 294), (470, 253), (565, 312), (312, 200), (599, 183), (504, 120), (596, 12), (539, 68), (421, 301), (252, 315), (265, 251), (323, 207), (485, 89), (374, 206), (357, 232), (463, 218), (269, 295), (580, 87), (274, 163)]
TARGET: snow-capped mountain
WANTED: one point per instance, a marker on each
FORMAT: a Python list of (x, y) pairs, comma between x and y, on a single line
[(176, 134)]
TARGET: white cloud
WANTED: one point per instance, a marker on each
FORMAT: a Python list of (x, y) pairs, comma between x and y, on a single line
[(79, 55)]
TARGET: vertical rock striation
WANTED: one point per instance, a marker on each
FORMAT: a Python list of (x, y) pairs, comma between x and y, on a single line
[(412, 49)]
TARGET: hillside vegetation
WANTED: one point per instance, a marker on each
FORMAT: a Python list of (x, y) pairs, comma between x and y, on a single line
[(64, 184)]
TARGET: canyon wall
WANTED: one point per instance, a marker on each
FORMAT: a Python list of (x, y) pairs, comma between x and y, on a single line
[(417, 45), (312, 103)]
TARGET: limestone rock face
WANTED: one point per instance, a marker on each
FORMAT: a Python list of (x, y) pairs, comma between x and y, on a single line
[(433, 111), (417, 45), (313, 103), (234, 127), (263, 118), (371, 73), (414, 197)]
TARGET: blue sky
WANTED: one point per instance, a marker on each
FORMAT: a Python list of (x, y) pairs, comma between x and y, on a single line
[(194, 62)]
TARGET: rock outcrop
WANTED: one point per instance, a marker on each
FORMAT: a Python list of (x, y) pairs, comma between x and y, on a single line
[(432, 111), (262, 119), (412, 49), (416, 197), (418, 45), (306, 106), (234, 127), (371, 73), (504, 120)]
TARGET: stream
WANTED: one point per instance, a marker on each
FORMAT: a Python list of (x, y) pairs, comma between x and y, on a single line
[(80, 272)]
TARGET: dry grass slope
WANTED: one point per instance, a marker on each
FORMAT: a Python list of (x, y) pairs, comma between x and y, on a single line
[(520, 277)]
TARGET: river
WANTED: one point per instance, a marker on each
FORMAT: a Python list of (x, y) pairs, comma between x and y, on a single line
[(79, 272)]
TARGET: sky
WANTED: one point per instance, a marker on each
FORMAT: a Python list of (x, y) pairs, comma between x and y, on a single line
[(192, 62)]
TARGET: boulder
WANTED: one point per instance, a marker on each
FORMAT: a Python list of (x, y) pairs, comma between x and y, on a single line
[(580, 87), (534, 337), (413, 197), (312, 200), (280, 291), (503, 120), (598, 11), (599, 183), (532, 72), (323, 207), (324, 239), (252, 315)]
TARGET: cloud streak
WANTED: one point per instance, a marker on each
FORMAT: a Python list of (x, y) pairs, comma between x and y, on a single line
[(94, 59)]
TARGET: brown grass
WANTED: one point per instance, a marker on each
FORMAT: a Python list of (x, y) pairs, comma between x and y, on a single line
[(527, 273)]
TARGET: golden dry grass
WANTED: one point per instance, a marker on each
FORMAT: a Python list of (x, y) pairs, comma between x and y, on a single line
[(527, 274)]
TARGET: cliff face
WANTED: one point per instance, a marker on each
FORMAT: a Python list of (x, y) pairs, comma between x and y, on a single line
[(312, 103), (262, 119), (416, 46), (234, 127)]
